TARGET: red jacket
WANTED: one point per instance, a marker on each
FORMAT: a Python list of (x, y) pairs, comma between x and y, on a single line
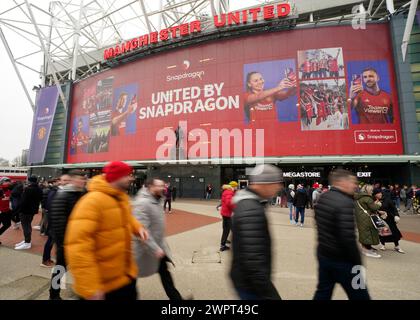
[(4, 198), (227, 205)]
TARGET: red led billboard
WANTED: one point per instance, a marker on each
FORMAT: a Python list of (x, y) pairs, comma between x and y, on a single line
[(321, 91)]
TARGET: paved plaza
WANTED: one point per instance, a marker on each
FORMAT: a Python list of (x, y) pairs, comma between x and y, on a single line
[(194, 230)]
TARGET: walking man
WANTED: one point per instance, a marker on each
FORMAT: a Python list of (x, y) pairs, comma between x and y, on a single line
[(31, 199), (152, 256), (98, 238), (60, 209), (300, 201), (251, 241), (168, 198), (337, 250)]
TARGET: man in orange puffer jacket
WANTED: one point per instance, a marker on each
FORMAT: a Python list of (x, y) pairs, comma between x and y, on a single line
[(226, 212), (99, 238)]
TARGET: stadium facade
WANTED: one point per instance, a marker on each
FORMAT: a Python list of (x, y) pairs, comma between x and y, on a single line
[(308, 89)]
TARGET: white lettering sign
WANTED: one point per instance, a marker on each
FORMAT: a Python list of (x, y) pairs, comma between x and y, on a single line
[(302, 174)]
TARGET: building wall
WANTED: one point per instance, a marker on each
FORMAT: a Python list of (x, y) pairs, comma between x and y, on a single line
[(57, 141), (190, 181), (408, 82)]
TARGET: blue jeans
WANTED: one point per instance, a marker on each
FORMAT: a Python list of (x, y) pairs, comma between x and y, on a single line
[(301, 211), (397, 202), (331, 272), (290, 206)]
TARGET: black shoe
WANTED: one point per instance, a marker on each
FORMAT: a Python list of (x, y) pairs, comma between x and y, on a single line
[(228, 242), (224, 248), (56, 298)]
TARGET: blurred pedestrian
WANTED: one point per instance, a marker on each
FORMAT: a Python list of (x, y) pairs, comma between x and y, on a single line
[(337, 249), (366, 206), (403, 195), (316, 194), (209, 191), (46, 255), (410, 197), (16, 203), (153, 256), (5, 212), (226, 212), (98, 238), (31, 199), (168, 198), (173, 193), (62, 204), (300, 202), (290, 196), (392, 218), (251, 241)]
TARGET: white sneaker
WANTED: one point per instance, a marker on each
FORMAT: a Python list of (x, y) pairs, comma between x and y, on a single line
[(292, 222), (15, 226), (398, 249), (25, 246), (301, 225), (19, 244), (382, 248), (36, 227), (371, 254)]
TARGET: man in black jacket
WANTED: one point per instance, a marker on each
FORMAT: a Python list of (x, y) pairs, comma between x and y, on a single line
[(337, 251), (300, 201), (251, 241), (61, 207), (31, 199)]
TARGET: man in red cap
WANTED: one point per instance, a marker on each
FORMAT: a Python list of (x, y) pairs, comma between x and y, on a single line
[(98, 238)]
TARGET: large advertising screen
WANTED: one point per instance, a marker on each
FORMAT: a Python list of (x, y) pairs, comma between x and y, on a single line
[(321, 91)]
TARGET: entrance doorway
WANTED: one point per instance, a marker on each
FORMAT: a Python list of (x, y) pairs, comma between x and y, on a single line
[(192, 187)]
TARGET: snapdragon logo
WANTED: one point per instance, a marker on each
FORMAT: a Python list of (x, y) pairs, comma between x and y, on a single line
[(186, 64), (186, 75)]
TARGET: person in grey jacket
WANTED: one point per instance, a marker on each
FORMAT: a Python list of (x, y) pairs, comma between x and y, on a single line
[(153, 255), (251, 241)]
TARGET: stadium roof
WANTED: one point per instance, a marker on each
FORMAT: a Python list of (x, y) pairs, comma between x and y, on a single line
[(63, 40)]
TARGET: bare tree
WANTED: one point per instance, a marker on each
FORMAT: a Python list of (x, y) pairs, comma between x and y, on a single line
[(4, 162)]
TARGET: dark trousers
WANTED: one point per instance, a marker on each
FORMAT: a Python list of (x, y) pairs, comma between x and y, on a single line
[(227, 225), (300, 211), (15, 216), (167, 281), (44, 221), (46, 256), (331, 272), (26, 220), (57, 274), (5, 221), (126, 293), (167, 201)]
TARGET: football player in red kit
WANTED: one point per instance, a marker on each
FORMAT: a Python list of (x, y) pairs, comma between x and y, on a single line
[(260, 104), (371, 103)]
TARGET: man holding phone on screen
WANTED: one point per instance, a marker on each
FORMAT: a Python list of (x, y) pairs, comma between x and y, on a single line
[(372, 104)]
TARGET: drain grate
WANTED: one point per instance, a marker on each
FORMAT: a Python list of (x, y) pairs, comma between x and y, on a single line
[(206, 256)]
